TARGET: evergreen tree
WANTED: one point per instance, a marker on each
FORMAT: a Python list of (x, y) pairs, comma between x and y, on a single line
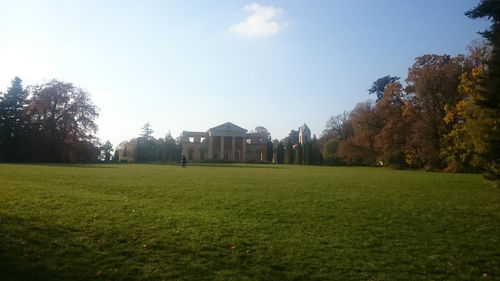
[(308, 157), (299, 155), (490, 101), (378, 86), (171, 148), (11, 127), (116, 156), (106, 151), (125, 157), (147, 132), (147, 146), (316, 152), (280, 153), (269, 150), (289, 154)]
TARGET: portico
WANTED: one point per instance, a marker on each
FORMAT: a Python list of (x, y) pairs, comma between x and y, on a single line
[(224, 142), (227, 142)]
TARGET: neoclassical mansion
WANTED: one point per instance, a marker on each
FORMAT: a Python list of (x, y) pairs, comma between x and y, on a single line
[(229, 142), (224, 142)]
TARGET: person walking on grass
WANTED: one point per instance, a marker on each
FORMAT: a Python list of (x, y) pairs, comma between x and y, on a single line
[(183, 161)]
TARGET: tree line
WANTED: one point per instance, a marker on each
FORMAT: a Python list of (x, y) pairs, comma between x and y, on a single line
[(444, 116), (148, 149), (51, 122)]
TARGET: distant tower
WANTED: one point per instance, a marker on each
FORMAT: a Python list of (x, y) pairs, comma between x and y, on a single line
[(304, 134)]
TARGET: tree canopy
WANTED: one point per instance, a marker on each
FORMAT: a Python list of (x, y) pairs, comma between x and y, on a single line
[(378, 86)]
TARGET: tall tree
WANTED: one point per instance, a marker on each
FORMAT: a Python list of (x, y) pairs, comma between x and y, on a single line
[(299, 155), (378, 87), (289, 154), (433, 81), (338, 126), (116, 156), (172, 154), (106, 151), (269, 144), (147, 146), (360, 148), (308, 153), (465, 145), (11, 107), (293, 137), (61, 123), (147, 132), (330, 149), (391, 142), (316, 158), (490, 101), (263, 131), (280, 153)]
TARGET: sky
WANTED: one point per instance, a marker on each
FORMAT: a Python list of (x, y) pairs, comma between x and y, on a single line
[(192, 65)]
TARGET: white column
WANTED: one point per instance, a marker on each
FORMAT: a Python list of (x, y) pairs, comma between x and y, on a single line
[(221, 147), (232, 149)]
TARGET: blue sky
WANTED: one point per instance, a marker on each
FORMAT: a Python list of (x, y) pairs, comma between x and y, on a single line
[(192, 65)]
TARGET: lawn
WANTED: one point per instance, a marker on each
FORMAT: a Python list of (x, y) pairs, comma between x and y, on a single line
[(245, 222)]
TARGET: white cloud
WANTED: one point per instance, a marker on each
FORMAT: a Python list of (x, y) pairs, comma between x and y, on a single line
[(261, 22)]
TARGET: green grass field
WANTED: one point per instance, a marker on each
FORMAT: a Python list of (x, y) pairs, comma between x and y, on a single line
[(245, 222)]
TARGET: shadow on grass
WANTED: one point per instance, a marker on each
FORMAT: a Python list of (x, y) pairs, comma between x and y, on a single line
[(34, 250), (67, 165)]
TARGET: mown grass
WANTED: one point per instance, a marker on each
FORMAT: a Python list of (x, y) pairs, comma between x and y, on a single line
[(245, 222)]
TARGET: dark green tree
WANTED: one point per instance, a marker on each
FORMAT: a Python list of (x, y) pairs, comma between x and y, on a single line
[(125, 154), (116, 156), (263, 131), (280, 153), (330, 149), (299, 154), (378, 86), (490, 102), (147, 146), (308, 153), (106, 151), (171, 149), (11, 127), (316, 152), (293, 137), (289, 154), (269, 150), (147, 132)]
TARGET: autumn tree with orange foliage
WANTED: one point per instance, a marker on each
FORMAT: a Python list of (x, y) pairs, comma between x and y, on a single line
[(60, 123), (464, 146), (360, 147)]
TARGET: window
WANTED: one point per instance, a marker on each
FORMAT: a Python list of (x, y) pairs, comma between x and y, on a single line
[(191, 139), (249, 141), (202, 139)]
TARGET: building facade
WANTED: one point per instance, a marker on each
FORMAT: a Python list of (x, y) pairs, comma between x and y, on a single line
[(304, 134), (224, 142)]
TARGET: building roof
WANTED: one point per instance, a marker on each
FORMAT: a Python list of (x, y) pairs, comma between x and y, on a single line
[(227, 128), (304, 129)]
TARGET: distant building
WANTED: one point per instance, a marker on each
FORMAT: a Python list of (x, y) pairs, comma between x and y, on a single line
[(224, 142), (304, 134)]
